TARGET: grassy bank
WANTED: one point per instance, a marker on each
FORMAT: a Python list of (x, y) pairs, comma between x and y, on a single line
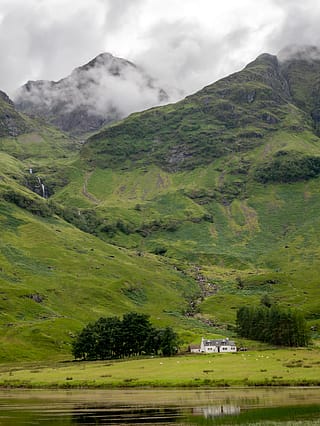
[(282, 367)]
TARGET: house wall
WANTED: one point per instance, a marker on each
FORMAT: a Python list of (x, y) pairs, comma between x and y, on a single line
[(210, 349), (217, 347), (228, 348)]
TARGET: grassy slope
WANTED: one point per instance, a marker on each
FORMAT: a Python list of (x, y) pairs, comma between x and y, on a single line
[(188, 179), (78, 278), (55, 278), (234, 115), (265, 233)]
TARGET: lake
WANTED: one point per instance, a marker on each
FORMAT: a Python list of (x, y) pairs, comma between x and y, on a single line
[(273, 406)]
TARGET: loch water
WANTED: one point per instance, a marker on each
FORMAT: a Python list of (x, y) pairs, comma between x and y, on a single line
[(246, 406)]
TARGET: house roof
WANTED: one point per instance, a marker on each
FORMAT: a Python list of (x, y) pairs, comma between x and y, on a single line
[(218, 342), (194, 346)]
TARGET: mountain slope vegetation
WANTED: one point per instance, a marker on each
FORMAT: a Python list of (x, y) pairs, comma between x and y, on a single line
[(184, 212), (227, 178), (54, 275)]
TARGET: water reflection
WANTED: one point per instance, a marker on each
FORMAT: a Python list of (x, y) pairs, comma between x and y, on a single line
[(125, 416), (216, 411), (160, 407)]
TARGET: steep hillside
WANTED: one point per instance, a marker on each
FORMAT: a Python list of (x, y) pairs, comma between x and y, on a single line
[(55, 278), (301, 69), (31, 140), (100, 92), (233, 116), (226, 179), (11, 122), (54, 275)]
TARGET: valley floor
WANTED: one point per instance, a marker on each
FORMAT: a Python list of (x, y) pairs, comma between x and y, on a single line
[(274, 367)]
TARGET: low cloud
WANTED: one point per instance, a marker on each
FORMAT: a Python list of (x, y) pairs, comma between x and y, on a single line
[(108, 88), (39, 40), (184, 47), (299, 26), (185, 57), (301, 52)]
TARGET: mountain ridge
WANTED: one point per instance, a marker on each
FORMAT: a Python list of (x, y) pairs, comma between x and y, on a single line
[(235, 114), (91, 96)]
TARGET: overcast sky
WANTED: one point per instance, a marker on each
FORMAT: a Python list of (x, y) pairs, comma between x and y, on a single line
[(184, 43)]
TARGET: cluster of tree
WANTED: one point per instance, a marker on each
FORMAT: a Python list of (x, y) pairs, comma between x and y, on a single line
[(273, 325), (288, 166), (34, 205), (111, 337)]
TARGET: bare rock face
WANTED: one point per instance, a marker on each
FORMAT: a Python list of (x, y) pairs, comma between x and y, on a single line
[(11, 122), (104, 90)]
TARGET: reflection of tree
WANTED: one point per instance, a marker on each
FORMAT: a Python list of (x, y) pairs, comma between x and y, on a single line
[(124, 415)]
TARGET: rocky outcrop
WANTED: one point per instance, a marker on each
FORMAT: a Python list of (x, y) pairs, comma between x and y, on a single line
[(11, 122)]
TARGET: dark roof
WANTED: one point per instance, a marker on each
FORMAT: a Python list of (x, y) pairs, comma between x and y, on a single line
[(218, 342), (194, 346)]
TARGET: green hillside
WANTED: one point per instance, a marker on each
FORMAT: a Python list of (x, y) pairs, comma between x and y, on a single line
[(54, 277), (184, 212), (226, 179)]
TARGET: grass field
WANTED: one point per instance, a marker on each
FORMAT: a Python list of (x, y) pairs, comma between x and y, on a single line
[(278, 367)]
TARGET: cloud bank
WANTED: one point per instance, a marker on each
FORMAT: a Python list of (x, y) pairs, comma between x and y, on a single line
[(185, 47)]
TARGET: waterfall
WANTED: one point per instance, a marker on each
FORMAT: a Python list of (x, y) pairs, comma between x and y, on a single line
[(43, 188)]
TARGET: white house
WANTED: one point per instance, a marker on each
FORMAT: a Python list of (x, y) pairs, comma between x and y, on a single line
[(208, 346)]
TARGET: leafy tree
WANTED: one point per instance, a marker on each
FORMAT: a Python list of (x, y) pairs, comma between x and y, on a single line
[(110, 338), (168, 342), (84, 346), (109, 333), (135, 331)]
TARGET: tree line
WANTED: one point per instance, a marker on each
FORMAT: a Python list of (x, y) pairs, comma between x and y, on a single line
[(111, 337), (273, 325)]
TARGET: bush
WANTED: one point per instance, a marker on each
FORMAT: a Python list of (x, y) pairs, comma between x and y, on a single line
[(33, 205)]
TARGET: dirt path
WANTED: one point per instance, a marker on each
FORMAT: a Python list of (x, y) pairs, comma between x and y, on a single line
[(85, 192)]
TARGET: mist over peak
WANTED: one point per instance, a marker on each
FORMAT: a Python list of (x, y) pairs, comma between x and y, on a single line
[(299, 52), (104, 90)]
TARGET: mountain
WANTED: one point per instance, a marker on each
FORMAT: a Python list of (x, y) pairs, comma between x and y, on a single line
[(226, 179), (233, 116), (104, 90), (185, 212)]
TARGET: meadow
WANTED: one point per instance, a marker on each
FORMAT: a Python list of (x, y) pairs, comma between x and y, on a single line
[(274, 367)]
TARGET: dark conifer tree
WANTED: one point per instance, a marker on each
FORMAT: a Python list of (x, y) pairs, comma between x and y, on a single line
[(273, 325)]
